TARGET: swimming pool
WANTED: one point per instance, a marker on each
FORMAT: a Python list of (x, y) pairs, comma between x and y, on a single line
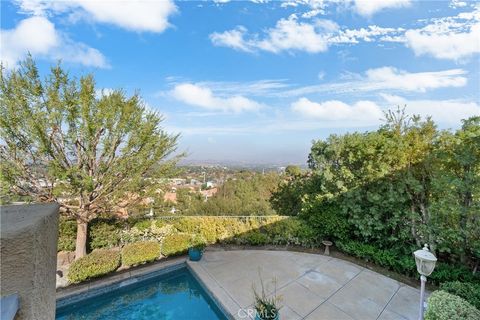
[(175, 295)]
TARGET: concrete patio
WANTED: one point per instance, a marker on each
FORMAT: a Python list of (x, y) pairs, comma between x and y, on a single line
[(311, 286)]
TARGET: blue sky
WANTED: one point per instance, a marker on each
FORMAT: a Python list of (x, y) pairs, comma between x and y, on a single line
[(257, 81)]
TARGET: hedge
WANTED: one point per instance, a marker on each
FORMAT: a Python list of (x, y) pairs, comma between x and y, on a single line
[(446, 306), (387, 258), (279, 230), (466, 290), (95, 264), (404, 263), (140, 252), (67, 234), (175, 244)]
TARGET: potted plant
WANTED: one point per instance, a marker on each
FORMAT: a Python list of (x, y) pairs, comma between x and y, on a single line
[(197, 245), (266, 307)]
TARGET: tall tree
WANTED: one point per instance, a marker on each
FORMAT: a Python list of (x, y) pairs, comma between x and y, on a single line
[(64, 141)]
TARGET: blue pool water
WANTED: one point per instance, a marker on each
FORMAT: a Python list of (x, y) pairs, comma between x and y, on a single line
[(176, 295)]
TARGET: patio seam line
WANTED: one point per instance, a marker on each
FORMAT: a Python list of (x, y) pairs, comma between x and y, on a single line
[(391, 298), (220, 286), (326, 300), (296, 281), (331, 304), (299, 315), (300, 276)]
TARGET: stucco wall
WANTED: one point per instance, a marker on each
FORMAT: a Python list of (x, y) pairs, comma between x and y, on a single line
[(28, 257)]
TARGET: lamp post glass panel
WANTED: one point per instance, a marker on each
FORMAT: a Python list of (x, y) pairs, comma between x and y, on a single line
[(425, 261)]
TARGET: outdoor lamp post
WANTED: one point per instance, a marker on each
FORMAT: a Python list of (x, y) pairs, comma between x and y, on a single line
[(425, 261)]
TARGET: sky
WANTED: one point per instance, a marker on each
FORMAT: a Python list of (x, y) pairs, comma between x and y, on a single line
[(257, 81)]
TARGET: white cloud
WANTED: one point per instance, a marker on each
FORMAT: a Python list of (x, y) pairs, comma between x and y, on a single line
[(311, 36), (365, 8), (452, 45), (370, 7), (392, 78), (38, 36), (369, 34), (287, 35), (447, 112), (453, 38), (248, 88), (362, 112), (290, 34), (387, 78), (369, 113), (140, 15), (457, 4), (232, 39), (203, 97)]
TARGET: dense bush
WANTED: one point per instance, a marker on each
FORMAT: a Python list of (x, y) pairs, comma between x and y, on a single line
[(175, 244), (387, 258), (291, 231), (445, 306), (140, 252), (328, 222), (67, 233), (95, 264), (466, 290), (453, 272), (101, 234), (403, 185), (254, 238), (402, 261), (104, 233)]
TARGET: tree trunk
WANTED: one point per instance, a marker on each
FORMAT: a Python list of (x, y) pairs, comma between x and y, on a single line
[(81, 243)]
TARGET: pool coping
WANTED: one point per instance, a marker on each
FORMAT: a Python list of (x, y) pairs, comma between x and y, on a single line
[(224, 302), (75, 293)]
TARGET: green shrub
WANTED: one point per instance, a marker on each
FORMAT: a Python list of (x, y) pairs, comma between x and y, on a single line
[(140, 252), (175, 244), (255, 238), (103, 233), (67, 234), (292, 231), (452, 272), (95, 264), (390, 259), (445, 306), (197, 241), (327, 219), (143, 225), (466, 290)]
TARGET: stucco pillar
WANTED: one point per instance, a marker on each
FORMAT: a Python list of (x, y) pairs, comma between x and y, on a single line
[(28, 241)]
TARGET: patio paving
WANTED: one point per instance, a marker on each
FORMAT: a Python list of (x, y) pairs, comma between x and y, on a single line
[(311, 286)]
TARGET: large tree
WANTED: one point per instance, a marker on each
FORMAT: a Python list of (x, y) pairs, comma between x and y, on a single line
[(63, 140)]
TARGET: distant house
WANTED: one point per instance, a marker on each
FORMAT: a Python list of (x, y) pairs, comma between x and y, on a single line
[(195, 182), (209, 184), (170, 196), (208, 193), (178, 181)]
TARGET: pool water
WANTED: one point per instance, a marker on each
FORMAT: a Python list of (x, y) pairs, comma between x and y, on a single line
[(176, 295)]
